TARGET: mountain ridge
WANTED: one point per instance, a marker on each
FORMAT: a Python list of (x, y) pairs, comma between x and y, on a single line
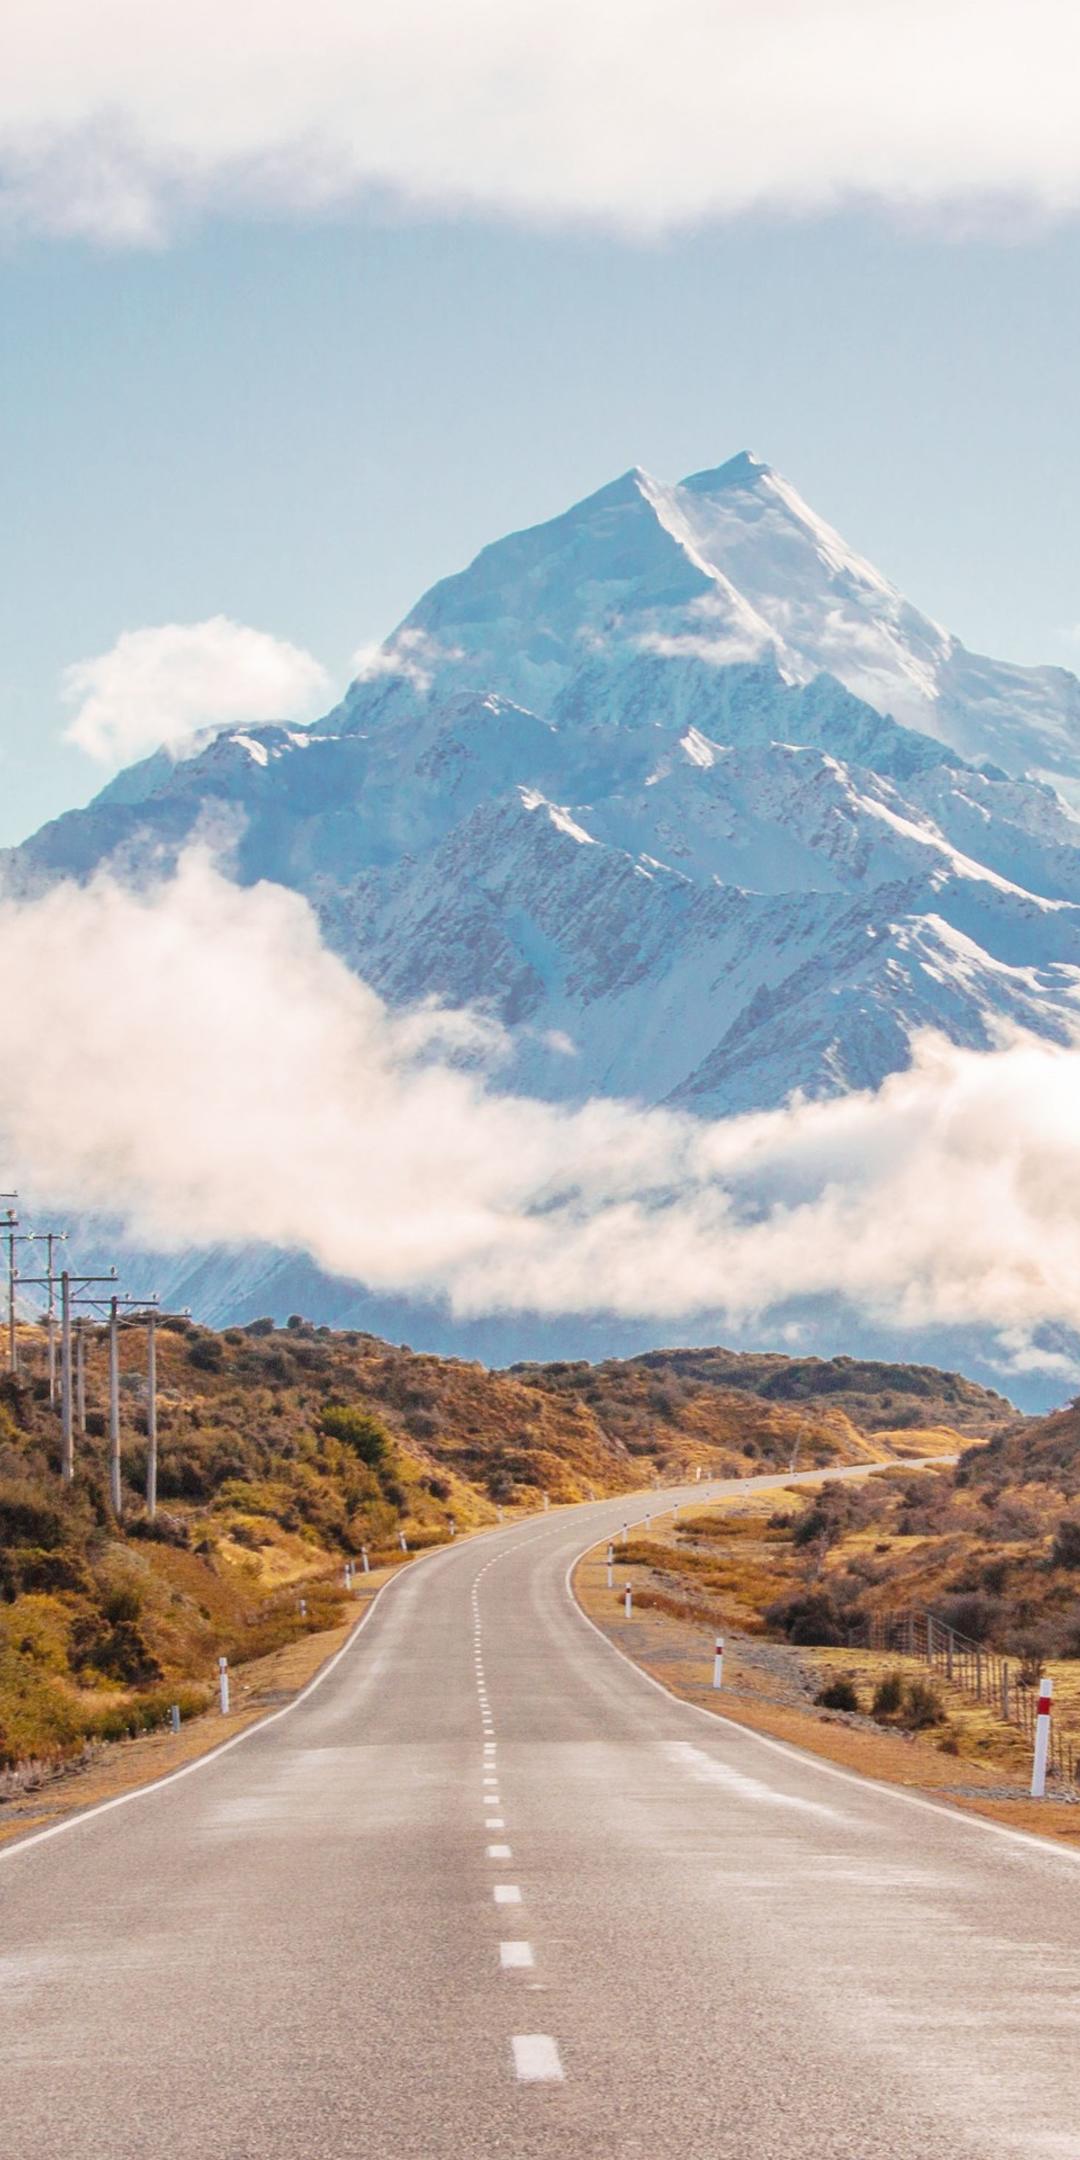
[(600, 785)]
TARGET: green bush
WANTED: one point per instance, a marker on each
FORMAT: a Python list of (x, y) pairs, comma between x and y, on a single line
[(356, 1429)]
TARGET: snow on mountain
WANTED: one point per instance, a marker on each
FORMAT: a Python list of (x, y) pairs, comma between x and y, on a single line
[(678, 787), (728, 567)]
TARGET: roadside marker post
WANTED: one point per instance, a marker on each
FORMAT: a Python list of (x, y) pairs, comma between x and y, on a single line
[(629, 1600), (303, 1608), (174, 1717), (610, 1567), (364, 1561), (718, 1663), (1042, 1739), (403, 1542), (625, 1532), (223, 1684)]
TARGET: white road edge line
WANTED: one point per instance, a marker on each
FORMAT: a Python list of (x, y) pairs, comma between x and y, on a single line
[(1043, 1847), (442, 1554), (536, 2059)]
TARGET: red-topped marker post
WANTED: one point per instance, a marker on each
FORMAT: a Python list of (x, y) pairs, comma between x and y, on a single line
[(1042, 1738)]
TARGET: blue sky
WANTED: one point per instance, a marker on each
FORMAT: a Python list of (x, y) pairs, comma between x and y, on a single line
[(298, 422)]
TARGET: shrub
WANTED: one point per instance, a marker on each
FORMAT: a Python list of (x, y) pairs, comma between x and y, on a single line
[(206, 1353), (922, 1706), (888, 1696), (26, 1518), (914, 1704), (356, 1429), (809, 1617), (1065, 1550), (838, 1695)]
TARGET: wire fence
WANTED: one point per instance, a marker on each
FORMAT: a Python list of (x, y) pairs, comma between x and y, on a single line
[(1009, 1690)]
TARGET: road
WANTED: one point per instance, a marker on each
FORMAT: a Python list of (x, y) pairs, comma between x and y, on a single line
[(487, 1890)]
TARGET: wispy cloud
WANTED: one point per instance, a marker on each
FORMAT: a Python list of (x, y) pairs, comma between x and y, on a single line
[(159, 687), (237, 1083), (119, 119)]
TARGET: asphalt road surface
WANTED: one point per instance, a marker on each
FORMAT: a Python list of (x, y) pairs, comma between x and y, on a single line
[(487, 1890)]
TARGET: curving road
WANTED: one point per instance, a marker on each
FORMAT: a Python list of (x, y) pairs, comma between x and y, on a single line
[(486, 1890)]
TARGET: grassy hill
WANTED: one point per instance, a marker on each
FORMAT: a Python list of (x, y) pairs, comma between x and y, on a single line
[(282, 1451)]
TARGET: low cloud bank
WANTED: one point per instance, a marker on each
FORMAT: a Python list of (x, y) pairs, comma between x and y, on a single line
[(120, 120), (193, 1061)]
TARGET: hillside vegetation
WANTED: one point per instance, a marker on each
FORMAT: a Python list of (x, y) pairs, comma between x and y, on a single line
[(284, 1451), (990, 1547)]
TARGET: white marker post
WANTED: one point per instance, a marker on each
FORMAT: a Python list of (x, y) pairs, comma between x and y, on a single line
[(625, 1532), (610, 1567), (453, 1527), (174, 1717), (223, 1684), (628, 1604), (303, 1608), (364, 1561), (547, 1502), (718, 1663), (697, 1475), (1042, 1739), (402, 1541), (674, 1514)]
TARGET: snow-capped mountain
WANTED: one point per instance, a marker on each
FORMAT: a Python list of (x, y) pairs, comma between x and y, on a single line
[(681, 789)]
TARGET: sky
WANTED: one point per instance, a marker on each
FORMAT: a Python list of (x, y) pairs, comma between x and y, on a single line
[(276, 357), (299, 308)]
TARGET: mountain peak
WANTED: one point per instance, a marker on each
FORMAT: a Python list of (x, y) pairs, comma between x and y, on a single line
[(746, 469)]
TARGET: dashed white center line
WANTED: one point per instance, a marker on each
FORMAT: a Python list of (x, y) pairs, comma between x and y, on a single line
[(499, 1852), (536, 2059), (513, 1955), (494, 1822), (506, 1893)]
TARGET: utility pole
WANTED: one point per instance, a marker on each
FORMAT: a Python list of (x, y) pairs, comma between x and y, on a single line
[(151, 1414), (80, 1375), (69, 1285), (52, 1237), (147, 1305), (11, 1225)]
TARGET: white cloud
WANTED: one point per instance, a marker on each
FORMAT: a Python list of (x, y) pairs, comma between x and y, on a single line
[(411, 654), (117, 118), (161, 686), (217, 1076)]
